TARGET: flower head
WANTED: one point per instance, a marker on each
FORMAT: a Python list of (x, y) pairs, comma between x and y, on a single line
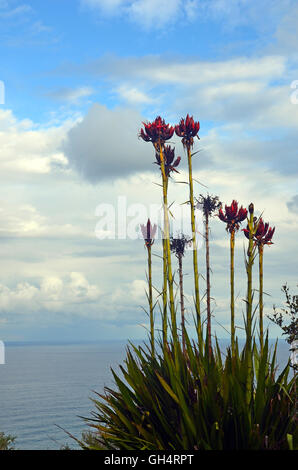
[(232, 216), (187, 129), (156, 131), (169, 159), (179, 244), (208, 204), (262, 233), (148, 232)]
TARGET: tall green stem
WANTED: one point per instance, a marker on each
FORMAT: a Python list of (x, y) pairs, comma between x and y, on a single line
[(249, 266), (195, 251), (167, 245), (208, 284), (165, 282), (261, 251), (232, 250), (150, 299), (164, 295), (182, 302)]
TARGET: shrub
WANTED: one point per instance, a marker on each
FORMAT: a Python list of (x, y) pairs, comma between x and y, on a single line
[(194, 402), (6, 441)]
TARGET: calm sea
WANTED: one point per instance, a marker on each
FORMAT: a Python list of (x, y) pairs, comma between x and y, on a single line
[(46, 386)]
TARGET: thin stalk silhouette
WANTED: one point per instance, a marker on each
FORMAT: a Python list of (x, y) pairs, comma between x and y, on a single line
[(262, 236), (178, 246), (208, 204), (148, 232), (233, 217), (187, 129)]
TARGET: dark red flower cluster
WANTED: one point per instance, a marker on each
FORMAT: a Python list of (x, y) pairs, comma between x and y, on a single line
[(179, 244), (169, 159), (148, 232), (233, 216), (187, 129), (157, 131), (263, 234)]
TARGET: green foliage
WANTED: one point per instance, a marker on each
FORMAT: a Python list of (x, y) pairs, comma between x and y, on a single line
[(287, 318), (183, 402), (6, 441), (90, 441)]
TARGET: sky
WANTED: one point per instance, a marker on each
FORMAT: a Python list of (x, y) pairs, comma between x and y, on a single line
[(77, 79)]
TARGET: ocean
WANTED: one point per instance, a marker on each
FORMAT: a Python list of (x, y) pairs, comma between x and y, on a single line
[(46, 387)]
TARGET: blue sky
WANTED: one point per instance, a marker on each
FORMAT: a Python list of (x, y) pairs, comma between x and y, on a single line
[(80, 76), (51, 48)]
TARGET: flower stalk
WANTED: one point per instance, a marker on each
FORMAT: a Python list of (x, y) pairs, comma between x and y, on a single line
[(208, 204), (194, 246), (178, 246), (151, 300), (187, 129), (262, 236), (158, 132), (164, 295), (167, 243), (148, 232), (208, 284), (233, 218), (232, 283), (249, 304), (182, 303), (261, 307)]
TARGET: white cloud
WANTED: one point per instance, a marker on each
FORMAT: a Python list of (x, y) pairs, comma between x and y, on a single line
[(252, 91), (51, 294), (253, 105), (159, 70), (27, 150), (236, 13), (24, 221), (71, 95), (80, 289), (105, 144), (149, 14), (52, 288), (131, 293), (286, 31), (138, 289), (106, 5), (8, 14), (293, 204), (230, 14), (155, 13), (132, 95)]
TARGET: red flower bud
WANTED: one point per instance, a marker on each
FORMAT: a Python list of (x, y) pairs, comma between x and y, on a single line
[(187, 129), (232, 217), (148, 232), (262, 233), (157, 131), (169, 157)]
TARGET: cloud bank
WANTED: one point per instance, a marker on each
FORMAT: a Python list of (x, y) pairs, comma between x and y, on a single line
[(105, 145)]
